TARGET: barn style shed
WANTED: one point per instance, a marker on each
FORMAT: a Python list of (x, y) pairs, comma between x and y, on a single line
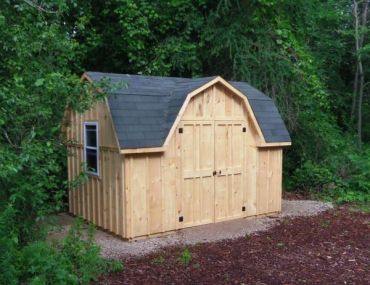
[(168, 153)]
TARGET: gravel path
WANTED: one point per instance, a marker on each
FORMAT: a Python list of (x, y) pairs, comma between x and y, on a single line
[(114, 247)]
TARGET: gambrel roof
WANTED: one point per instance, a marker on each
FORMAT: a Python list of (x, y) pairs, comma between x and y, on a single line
[(144, 112)]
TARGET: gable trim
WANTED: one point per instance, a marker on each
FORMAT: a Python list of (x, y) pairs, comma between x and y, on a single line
[(183, 108), (194, 93)]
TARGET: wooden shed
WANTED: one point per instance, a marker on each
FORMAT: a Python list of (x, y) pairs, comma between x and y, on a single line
[(168, 153)]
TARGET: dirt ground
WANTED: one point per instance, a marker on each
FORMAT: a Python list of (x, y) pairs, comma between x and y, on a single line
[(330, 248)]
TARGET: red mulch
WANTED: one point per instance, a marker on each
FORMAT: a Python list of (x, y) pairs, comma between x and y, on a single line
[(332, 248)]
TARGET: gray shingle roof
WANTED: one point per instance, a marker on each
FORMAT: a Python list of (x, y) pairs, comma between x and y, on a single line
[(144, 112)]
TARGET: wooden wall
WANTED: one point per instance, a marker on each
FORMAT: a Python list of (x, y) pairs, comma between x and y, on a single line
[(152, 186), (101, 199), (160, 188), (269, 180)]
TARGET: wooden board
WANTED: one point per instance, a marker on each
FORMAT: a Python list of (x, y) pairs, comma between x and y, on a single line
[(269, 180), (197, 203), (229, 164), (100, 199)]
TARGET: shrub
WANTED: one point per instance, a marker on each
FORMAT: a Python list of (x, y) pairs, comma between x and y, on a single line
[(343, 179), (311, 176), (44, 264), (9, 270), (74, 260)]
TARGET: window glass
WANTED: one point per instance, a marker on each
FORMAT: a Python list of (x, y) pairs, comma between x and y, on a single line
[(91, 148), (91, 136), (91, 160)]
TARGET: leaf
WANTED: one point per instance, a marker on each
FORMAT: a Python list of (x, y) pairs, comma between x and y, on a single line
[(39, 82)]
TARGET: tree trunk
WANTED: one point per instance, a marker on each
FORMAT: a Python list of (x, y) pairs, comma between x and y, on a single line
[(354, 96), (360, 99), (359, 77)]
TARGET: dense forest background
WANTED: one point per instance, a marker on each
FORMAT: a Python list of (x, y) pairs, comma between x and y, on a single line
[(312, 57)]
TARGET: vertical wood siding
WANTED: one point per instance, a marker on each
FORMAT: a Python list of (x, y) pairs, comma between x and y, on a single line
[(269, 180), (101, 199)]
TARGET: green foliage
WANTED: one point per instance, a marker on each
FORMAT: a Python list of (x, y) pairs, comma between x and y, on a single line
[(114, 266), (75, 260), (185, 257), (44, 265), (9, 265), (343, 179), (311, 176), (151, 37), (38, 63)]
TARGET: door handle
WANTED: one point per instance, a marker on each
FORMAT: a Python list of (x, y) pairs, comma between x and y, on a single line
[(214, 172), (219, 172)]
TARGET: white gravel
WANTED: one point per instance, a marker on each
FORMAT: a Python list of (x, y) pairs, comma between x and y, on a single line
[(114, 247)]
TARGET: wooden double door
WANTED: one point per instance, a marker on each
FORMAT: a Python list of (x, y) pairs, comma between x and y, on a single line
[(213, 166)]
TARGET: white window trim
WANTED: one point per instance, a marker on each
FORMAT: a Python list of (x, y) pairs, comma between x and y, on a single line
[(91, 147)]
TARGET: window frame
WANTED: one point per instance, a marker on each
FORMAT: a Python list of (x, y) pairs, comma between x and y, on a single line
[(95, 148)]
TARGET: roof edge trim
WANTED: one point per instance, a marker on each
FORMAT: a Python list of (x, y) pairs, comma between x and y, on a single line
[(142, 150), (274, 144)]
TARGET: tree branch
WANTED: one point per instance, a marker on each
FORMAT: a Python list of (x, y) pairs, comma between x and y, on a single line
[(39, 7)]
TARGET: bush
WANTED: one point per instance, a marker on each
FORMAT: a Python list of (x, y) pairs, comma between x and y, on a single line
[(310, 177), (75, 260), (9, 270), (44, 264), (343, 179)]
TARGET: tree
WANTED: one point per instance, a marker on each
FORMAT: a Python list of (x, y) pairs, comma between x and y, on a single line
[(37, 58), (360, 14)]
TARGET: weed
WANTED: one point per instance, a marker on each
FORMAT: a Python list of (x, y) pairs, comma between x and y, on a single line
[(185, 257), (114, 266), (158, 260)]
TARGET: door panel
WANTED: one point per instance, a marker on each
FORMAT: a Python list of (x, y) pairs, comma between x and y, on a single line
[(229, 159), (197, 206)]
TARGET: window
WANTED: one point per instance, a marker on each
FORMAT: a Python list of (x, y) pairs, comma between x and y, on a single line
[(91, 148)]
